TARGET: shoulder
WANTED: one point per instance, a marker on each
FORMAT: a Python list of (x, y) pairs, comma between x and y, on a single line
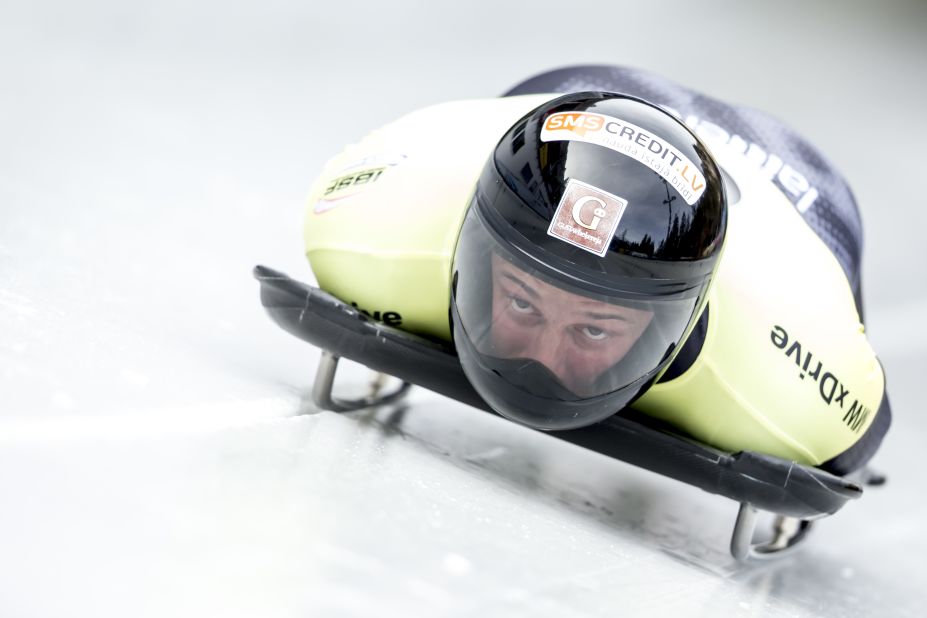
[(383, 216)]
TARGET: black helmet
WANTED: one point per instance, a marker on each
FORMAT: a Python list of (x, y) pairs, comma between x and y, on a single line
[(585, 258)]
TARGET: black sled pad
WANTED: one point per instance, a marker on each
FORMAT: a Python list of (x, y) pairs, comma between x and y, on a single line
[(762, 481)]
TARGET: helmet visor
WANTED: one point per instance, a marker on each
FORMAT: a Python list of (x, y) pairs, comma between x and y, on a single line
[(547, 335)]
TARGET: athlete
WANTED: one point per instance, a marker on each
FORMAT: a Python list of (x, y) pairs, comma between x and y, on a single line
[(600, 238)]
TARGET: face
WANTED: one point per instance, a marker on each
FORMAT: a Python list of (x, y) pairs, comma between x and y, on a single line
[(575, 337)]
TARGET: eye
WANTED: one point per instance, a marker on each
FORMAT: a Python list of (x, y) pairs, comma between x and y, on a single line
[(594, 333), (520, 305)]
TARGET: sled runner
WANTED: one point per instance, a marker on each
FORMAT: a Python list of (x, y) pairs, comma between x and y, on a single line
[(797, 494)]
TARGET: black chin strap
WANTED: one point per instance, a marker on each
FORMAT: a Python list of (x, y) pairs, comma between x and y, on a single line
[(531, 376)]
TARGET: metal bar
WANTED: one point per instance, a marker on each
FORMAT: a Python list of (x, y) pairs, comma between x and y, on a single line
[(744, 527), (788, 534), (325, 380)]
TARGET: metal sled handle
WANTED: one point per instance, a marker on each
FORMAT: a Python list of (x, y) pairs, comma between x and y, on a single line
[(788, 533), (325, 379)]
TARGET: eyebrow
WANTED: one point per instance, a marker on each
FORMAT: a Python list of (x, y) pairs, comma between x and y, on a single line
[(527, 288), (607, 316), (592, 315)]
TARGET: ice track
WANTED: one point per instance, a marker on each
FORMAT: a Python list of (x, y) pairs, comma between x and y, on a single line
[(158, 452)]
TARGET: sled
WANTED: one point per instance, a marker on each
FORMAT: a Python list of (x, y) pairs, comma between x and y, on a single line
[(797, 494)]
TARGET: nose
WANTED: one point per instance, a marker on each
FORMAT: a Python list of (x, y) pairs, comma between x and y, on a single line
[(548, 350)]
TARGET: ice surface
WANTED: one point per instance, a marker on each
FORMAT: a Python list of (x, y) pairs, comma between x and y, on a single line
[(158, 454)]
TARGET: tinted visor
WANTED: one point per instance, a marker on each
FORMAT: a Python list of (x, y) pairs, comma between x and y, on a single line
[(550, 338)]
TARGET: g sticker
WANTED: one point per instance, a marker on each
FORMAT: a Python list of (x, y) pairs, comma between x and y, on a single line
[(587, 217)]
